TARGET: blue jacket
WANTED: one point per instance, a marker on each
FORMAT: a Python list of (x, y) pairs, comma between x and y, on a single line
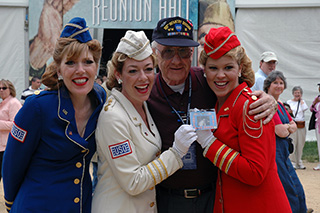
[(46, 162)]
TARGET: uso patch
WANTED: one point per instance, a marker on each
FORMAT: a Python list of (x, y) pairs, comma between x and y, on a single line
[(18, 133), (120, 149)]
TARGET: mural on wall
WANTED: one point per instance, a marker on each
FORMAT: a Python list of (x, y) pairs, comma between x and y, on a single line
[(213, 14), (47, 17), (45, 24)]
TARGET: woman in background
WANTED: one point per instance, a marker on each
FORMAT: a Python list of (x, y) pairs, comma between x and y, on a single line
[(315, 107), (274, 85), (9, 107), (298, 107)]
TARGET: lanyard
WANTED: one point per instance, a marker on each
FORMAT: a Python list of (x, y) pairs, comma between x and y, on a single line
[(189, 101)]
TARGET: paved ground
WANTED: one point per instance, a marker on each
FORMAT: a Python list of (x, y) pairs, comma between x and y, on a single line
[(309, 178)]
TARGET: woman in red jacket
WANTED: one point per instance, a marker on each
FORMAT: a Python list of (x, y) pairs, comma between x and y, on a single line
[(243, 149)]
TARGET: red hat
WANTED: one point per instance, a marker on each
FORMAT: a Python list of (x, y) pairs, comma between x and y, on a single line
[(219, 41)]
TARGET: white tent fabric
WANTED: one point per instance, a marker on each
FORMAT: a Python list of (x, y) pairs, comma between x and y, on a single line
[(294, 35), (13, 61)]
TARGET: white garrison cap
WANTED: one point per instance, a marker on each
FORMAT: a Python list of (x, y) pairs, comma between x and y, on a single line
[(135, 45)]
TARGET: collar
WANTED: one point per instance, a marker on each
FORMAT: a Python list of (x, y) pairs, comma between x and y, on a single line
[(168, 90), (232, 99), (127, 106), (135, 117), (66, 112), (6, 100), (260, 71)]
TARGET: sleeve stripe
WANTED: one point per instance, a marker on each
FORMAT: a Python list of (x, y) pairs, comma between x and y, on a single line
[(218, 153), (164, 167), (157, 168), (235, 154), (8, 202), (224, 158), (154, 178)]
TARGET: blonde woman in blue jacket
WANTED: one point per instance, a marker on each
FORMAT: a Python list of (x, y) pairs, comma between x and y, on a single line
[(128, 143)]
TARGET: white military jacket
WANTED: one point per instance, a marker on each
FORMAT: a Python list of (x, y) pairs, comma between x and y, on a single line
[(129, 159)]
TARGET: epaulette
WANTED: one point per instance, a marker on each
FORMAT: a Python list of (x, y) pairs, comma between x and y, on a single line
[(252, 128), (110, 102)]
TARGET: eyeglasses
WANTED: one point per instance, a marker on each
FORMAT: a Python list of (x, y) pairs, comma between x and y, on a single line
[(3, 88), (171, 52)]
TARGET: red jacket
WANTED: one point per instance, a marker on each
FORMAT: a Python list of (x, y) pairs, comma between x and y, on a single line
[(245, 154)]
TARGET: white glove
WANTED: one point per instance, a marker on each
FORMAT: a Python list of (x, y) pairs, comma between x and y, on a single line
[(183, 138), (205, 137)]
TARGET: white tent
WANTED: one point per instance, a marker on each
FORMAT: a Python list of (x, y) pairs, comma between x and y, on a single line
[(291, 29), (14, 43)]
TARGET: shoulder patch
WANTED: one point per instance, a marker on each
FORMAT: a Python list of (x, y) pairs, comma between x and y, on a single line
[(18, 133), (120, 149)]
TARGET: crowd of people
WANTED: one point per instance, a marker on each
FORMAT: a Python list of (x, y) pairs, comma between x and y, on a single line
[(134, 126)]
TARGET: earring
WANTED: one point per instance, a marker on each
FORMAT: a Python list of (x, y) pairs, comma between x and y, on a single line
[(60, 77), (239, 74), (119, 81), (204, 75)]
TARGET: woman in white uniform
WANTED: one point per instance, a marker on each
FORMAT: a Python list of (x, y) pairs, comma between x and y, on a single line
[(128, 143)]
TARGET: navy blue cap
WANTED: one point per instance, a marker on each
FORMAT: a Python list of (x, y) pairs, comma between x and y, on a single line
[(174, 31), (77, 29)]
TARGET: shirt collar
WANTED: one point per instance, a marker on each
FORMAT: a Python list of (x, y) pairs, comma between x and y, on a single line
[(168, 91)]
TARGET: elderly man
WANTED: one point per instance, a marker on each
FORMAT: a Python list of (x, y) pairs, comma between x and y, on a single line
[(268, 63), (179, 88)]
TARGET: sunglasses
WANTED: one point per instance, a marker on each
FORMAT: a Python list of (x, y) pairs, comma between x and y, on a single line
[(171, 52), (3, 88)]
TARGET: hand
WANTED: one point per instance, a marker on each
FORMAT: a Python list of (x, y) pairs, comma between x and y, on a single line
[(183, 138), (316, 101), (205, 137), (265, 107), (292, 127)]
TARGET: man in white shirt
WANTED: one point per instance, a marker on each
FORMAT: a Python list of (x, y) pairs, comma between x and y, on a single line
[(268, 62)]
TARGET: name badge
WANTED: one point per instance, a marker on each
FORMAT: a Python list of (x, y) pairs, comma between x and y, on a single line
[(190, 159)]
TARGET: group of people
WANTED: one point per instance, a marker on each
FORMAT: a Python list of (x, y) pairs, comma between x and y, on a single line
[(150, 159), (296, 108)]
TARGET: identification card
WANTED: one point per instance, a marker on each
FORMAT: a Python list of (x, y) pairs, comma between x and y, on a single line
[(203, 119)]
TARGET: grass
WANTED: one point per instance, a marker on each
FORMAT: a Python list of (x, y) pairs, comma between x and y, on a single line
[(310, 152)]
